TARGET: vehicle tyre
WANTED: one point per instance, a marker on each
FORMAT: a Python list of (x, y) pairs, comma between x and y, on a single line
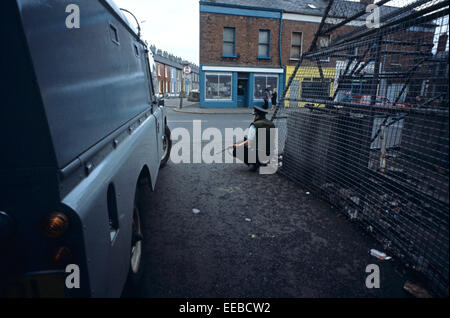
[(137, 259), (167, 146)]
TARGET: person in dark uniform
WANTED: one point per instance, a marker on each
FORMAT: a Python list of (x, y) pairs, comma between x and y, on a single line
[(274, 98), (250, 151), (266, 97)]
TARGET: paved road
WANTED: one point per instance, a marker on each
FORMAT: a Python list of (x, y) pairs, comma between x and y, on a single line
[(255, 236)]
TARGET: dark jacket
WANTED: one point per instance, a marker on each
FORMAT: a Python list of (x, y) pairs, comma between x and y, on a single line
[(267, 124), (274, 98)]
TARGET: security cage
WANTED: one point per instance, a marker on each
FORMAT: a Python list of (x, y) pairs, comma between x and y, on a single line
[(363, 122)]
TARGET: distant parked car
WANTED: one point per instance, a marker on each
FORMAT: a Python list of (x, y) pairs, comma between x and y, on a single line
[(194, 96)]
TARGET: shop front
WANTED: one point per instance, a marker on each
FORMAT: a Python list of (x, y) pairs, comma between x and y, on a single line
[(232, 87)]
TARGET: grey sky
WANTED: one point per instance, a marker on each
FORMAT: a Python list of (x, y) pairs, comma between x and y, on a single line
[(171, 25)]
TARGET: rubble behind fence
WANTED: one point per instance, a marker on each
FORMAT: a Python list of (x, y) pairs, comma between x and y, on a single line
[(364, 123)]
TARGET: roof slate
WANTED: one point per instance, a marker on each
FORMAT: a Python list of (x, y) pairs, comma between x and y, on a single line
[(340, 8)]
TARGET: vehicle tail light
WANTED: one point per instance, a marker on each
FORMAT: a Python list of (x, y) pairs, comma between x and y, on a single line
[(62, 256), (55, 224)]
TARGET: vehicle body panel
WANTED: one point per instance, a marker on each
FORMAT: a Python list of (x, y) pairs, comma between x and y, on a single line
[(80, 116), (82, 70)]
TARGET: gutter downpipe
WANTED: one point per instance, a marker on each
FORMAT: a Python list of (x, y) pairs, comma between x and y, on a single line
[(281, 87)]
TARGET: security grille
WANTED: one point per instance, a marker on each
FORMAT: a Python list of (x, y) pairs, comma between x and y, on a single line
[(363, 122)]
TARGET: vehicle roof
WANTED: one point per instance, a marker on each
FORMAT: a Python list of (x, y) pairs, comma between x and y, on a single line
[(119, 12)]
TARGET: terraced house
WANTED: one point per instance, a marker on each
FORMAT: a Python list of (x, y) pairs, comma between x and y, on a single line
[(171, 81), (249, 45)]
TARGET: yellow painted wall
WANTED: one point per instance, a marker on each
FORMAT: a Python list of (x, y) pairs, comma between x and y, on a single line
[(308, 72)]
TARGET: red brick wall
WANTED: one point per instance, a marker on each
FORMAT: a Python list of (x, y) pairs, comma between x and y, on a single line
[(247, 30), (211, 33), (162, 79), (307, 28)]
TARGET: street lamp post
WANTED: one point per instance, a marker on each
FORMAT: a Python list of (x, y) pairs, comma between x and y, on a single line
[(182, 90), (186, 70)]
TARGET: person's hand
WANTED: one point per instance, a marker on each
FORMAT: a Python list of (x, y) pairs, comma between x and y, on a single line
[(234, 146)]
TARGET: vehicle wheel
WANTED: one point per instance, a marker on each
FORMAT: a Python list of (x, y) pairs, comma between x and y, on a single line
[(167, 146), (136, 271)]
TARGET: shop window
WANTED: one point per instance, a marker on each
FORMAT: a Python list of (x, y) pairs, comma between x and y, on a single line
[(218, 86), (262, 82)]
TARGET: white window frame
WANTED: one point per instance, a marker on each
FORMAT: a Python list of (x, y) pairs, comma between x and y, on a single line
[(266, 76), (265, 44), (301, 46), (329, 42), (222, 99)]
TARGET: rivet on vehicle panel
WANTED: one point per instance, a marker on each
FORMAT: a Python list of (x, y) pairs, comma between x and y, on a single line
[(89, 167)]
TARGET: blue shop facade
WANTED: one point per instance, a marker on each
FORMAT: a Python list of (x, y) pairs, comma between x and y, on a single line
[(237, 86)]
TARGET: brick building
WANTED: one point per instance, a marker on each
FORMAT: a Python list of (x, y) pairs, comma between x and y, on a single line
[(248, 45)]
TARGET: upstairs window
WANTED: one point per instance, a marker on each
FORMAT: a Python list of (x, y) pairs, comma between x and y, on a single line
[(264, 44), (324, 42), (296, 45), (229, 42)]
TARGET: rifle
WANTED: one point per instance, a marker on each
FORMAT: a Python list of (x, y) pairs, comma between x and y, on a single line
[(230, 147)]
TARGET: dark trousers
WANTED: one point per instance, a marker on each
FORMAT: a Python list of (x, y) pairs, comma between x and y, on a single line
[(245, 159), (266, 104)]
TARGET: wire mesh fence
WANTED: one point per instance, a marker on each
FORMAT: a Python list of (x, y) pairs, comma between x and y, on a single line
[(363, 122)]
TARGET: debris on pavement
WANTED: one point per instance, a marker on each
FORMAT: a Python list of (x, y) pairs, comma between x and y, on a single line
[(416, 290), (196, 211), (379, 255), (248, 220), (353, 214)]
